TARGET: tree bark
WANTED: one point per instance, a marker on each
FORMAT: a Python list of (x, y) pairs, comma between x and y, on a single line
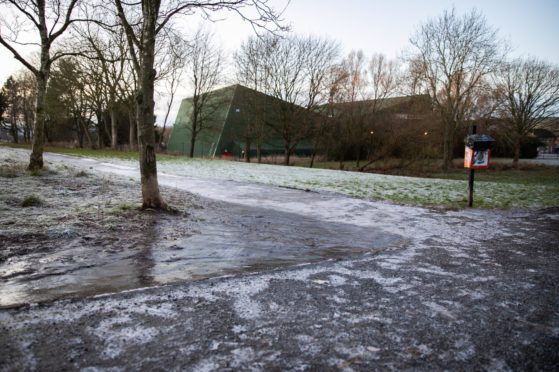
[(146, 132), (13, 127), (516, 152), (192, 144), (247, 151), (313, 155), (36, 158), (259, 153), (287, 155), (132, 131), (114, 129), (446, 147)]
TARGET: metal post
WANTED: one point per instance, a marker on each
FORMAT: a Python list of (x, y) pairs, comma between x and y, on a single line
[(471, 179)]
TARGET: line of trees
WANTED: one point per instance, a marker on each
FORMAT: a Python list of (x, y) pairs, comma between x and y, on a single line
[(143, 27), (99, 63)]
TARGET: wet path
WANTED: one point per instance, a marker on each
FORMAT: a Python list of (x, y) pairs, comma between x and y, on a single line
[(242, 228), (220, 239), (468, 290), (241, 239)]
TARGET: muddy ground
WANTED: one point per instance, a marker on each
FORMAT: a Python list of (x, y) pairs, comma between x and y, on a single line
[(393, 288)]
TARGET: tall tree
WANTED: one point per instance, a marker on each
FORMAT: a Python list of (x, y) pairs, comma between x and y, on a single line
[(530, 97), (293, 70), (383, 82), (143, 21), (205, 72), (3, 106), (177, 55), (12, 94), (347, 96), (109, 50), (451, 56), (251, 71), (50, 20), (28, 91), (67, 101)]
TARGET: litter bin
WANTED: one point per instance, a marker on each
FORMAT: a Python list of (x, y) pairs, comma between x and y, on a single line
[(478, 151)]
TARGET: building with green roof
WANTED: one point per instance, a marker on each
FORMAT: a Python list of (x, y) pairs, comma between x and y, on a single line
[(231, 116)]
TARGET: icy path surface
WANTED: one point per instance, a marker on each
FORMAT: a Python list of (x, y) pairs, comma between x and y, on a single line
[(414, 222), (470, 290)]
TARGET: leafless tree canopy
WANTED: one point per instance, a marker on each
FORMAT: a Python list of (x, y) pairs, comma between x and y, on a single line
[(205, 71), (530, 97), (294, 70), (142, 22), (48, 20), (451, 55)]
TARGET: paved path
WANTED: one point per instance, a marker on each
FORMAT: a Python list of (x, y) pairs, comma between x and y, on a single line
[(465, 290)]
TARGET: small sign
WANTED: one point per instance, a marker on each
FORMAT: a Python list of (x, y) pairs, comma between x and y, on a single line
[(476, 159)]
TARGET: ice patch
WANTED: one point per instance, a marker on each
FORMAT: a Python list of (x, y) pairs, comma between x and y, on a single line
[(119, 333), (337, 280), (439, 310)]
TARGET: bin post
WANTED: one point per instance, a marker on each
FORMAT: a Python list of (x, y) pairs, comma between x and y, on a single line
[(471, 178)]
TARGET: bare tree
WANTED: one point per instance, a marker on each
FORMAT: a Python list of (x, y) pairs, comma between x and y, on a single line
[(177, 55), (205, 72), (28, 89), (292, 70), (110, 52), (349, 111), (142, 22), (67, 100), (452, 54), (383, 82), (12, 94), (530, 91), (3, 107), (50, 19), (251, 71)]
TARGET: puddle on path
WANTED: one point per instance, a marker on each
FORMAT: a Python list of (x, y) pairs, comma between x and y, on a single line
[(226, 240)]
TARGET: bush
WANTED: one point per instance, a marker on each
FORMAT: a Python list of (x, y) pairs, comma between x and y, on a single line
[(31, 201)]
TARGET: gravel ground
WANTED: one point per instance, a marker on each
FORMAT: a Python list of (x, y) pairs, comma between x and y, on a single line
[(461, 290)]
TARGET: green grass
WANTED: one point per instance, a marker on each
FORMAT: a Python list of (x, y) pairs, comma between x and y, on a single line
[(531, 186), (31, 201), (91, 153), (529, 176)]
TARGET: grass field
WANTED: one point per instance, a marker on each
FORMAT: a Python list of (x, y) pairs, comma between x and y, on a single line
[(501, 187)]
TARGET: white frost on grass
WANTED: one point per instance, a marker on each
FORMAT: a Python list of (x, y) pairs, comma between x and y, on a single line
[(455, 227), (410, 190)]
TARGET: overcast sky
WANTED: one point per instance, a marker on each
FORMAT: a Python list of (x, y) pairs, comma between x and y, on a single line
[(532, 27)]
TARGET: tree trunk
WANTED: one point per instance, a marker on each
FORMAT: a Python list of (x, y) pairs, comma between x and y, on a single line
[(192, 144), (446, 147), (88, 136), (13, 128), (516, 152), (79, 132), (26, 131), (146, 132), (36, 158), (247, 151), (313, 155), (108, 132), (287, 153), (259, 152), (132, 131), (114, 129)]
